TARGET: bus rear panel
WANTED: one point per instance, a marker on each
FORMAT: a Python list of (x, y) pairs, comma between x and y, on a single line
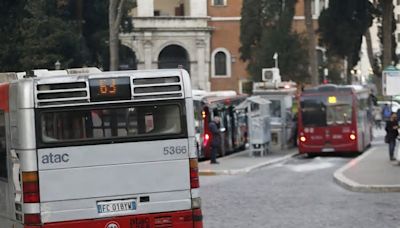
[(109, 150)]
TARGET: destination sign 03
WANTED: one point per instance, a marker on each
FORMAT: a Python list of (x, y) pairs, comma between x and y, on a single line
[(110, 89)]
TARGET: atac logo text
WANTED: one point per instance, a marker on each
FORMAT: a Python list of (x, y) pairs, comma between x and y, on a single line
[(55, 158)]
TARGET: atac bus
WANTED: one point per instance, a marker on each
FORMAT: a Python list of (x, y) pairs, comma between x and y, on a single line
[(98, 149), (334, 118)]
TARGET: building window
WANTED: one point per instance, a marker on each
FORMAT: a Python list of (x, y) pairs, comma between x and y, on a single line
[(3, 146), (218, 2), (221, 63), (245, 86)]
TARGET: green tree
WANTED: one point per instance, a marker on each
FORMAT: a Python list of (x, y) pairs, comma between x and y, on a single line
[(95, 32), (36, 34), (265, 30), (342, 27), (49, 33), (251, 26), (11, 14)]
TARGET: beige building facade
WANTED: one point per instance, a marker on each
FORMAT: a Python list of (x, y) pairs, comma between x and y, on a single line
[(201, 36), (171, 34)]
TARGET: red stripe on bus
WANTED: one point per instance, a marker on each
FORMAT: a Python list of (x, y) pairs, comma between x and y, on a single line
[(4, 96), (178, 219)]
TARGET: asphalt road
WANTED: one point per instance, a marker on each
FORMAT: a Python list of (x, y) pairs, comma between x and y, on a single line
[(297, 193)]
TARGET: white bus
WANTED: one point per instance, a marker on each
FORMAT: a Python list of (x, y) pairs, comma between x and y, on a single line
[(84, 149)]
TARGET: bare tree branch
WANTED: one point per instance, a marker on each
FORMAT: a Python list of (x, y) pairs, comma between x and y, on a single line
[(119, 13)]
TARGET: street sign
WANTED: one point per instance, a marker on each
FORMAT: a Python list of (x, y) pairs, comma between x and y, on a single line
[(391, 81)]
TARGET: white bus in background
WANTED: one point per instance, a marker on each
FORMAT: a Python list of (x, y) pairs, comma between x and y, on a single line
[(86, 149)]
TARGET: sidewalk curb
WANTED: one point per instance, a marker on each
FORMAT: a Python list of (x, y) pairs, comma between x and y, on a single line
[(351, 185), (247, 169)]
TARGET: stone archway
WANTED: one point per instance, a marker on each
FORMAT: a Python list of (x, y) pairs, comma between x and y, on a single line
[(127, 58), (174, 56)]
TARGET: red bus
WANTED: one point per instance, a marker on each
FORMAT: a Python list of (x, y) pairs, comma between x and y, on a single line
[(233, 124), (334, 118)]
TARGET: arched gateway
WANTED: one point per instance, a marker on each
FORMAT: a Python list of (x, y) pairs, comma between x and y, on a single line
[(173, 56)]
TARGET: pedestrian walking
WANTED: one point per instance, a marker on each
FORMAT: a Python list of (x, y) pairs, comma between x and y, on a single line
[(391, 134), (215, 139), (386, 112)]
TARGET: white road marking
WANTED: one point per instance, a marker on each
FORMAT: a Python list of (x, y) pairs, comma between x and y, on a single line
[(315, 164), (310, 167)]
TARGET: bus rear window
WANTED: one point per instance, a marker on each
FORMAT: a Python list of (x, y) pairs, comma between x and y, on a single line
[(109, 123), (319, 111)]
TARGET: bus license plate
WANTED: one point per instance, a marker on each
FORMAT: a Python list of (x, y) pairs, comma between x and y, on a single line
[(328, 150), (116, 206)]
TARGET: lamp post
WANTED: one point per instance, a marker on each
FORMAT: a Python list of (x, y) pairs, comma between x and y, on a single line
[(57, 65)]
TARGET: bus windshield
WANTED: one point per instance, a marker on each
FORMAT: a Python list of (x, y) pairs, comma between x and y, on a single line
[(318, 111), (110, 122)]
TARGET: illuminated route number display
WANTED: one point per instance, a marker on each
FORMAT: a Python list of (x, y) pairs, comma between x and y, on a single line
[(110, 89)]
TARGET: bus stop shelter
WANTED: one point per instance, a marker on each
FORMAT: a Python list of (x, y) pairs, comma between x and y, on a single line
[(258, 118)]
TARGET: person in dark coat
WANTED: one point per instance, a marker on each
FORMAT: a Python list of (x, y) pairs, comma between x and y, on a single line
[(215, 139), (391, 134)]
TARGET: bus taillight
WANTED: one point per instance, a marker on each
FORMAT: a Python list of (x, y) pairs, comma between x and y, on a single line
[(353, 136), (30, 187), (303, 138), (194, 173), (206, 139)]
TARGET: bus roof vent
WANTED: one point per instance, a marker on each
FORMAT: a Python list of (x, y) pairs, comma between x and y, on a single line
[(55, 94), (157, 88)]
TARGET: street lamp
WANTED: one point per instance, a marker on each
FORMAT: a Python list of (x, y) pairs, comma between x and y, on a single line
[(275, 57), (57, 65)]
